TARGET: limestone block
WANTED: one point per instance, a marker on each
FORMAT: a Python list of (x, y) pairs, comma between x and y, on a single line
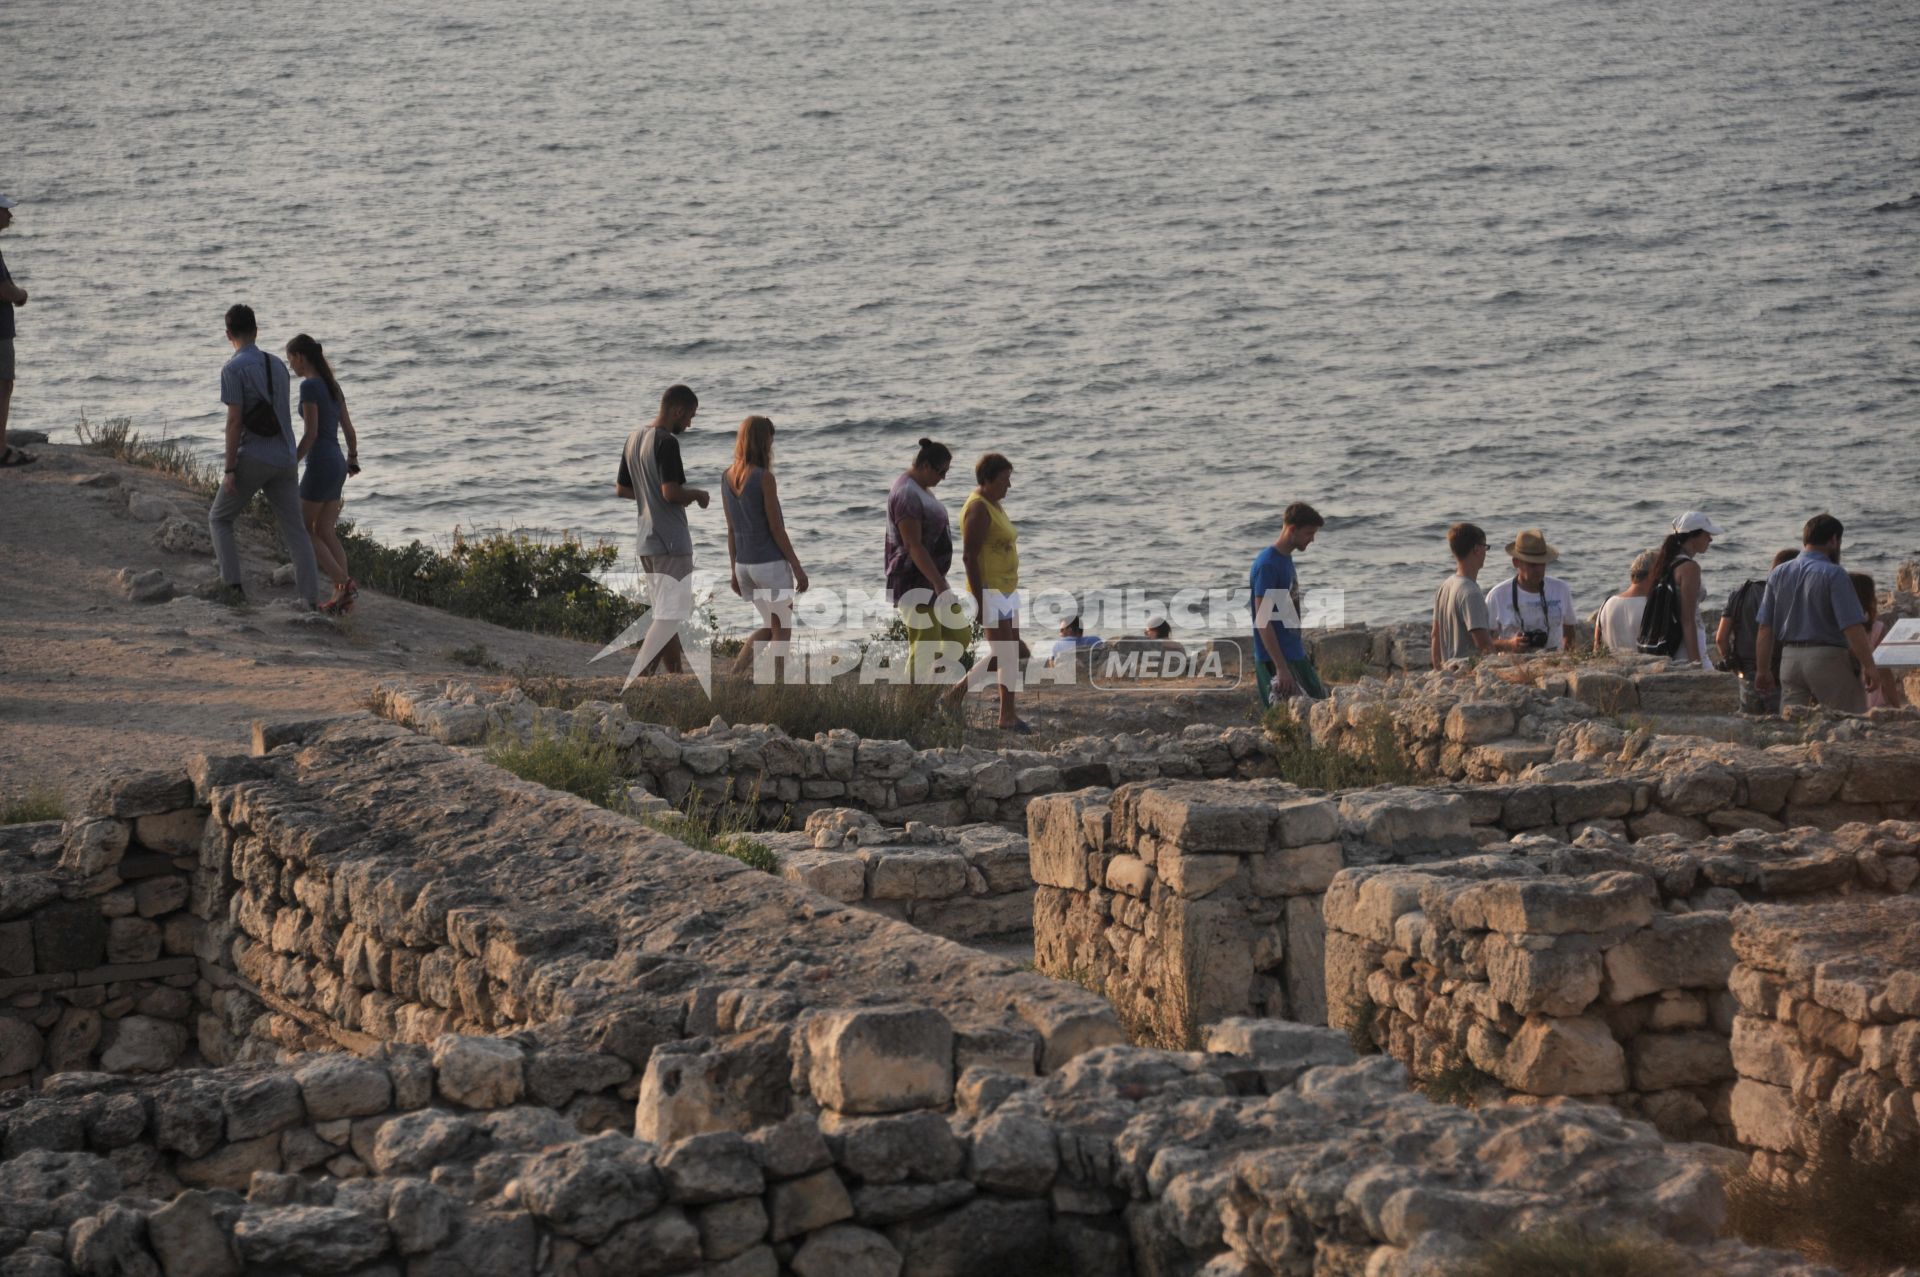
[(479, 1073), (916, 873), (731, 1228), (1068, 1025), (1684, 951), (263, 1105), (1208, 947), (883, 759), (1665, 1060), (420, 1216), (1763, 1116), (343, 1086), (791, 1147), (846, 1250), (1014, 1153), (1693, 787), (1408, 821), (1130, 875), (1575, 1056), (132, 940), (586, 1190), (1292, 871), (94, 846), (140, 793), (175, 832), (1302, 822), (1305, 948), (326, 1239), (1478, 722), (1591, 800), (1688, 692), (233, 1165), (16, 949), (1207, 817), (1556, 906), (1280, 1049), (1647, 824), (21, 1047), (1605, 691), (189, 1241), (421, 1140), (880, 1060), (968, 917), (155, 896), (1561, 979), (711, 1167), (889, 1150), (807, 1204), (142, 1044), (1881, 772)]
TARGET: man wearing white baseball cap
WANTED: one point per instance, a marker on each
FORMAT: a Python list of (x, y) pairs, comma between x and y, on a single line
[(11, 295)]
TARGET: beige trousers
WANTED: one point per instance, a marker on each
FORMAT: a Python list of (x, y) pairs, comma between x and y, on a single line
[(1821, 676)]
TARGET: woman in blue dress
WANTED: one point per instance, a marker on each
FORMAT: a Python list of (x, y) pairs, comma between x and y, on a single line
[(324, 410)]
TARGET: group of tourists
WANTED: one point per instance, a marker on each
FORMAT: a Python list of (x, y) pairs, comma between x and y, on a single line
[(1804, 634)]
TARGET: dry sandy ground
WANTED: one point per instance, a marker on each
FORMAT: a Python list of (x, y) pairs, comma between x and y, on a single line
[(90, 680)]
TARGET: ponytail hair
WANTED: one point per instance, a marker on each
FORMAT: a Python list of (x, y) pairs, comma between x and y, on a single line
[(752, 446), (1669, 551), (933, 455), (309, 349)]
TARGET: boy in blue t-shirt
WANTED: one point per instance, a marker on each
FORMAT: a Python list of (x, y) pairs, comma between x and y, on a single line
[(1280, 663)]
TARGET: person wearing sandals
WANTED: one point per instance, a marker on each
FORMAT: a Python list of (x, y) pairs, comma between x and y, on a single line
[(11, 295), (765, 570), (990, 550), (323, 409)]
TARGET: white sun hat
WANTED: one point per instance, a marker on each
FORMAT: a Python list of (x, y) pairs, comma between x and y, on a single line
[(1694, 521)]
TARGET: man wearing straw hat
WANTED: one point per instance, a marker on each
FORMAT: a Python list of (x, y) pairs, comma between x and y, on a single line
[(1531, 611)]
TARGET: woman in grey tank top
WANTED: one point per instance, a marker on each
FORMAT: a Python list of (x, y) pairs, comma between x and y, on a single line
[(766, 572)]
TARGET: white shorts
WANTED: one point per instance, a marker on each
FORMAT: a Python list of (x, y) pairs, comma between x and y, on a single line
[(1000, 607), (769, 587)]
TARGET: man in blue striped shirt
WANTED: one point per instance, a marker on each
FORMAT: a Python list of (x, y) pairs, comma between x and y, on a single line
[(1811, 610)]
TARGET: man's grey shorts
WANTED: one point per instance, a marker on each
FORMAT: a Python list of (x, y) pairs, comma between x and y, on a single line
[(6, 359)]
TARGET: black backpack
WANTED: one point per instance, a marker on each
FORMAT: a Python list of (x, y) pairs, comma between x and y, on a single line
[(260, 417), (1660, 633)]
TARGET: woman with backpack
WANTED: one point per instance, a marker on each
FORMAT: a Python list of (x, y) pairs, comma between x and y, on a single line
[(1672, 625)]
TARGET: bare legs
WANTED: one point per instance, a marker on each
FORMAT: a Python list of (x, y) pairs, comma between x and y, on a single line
[(1002, 664), (320, 516)]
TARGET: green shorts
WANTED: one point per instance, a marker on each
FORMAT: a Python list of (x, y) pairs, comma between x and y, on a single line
[(1305, 677)]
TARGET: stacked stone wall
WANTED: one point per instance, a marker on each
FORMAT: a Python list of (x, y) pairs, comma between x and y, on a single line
[(964, 883), (97, 937), (791, 779), (1827, 1039), (1598, 970)]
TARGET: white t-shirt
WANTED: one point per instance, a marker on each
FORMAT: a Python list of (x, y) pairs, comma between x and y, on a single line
[(1530, 614), (1619, 623)]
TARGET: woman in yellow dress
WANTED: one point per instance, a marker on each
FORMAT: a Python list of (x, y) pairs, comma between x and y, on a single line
[(991, 552)]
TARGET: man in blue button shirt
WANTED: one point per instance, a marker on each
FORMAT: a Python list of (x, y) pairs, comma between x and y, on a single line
[(1810, 609), (1281, 666)]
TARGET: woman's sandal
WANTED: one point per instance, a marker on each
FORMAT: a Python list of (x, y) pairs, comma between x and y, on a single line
[(342, 601)]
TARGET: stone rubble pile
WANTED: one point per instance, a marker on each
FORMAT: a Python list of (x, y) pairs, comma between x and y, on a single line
[(1269, 1153)]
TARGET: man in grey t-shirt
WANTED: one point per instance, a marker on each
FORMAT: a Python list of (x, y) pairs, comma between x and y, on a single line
[(258, 463), (1460, 625), (651, 473)]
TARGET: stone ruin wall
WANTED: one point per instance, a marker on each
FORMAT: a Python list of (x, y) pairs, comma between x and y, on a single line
[(810, 1088)]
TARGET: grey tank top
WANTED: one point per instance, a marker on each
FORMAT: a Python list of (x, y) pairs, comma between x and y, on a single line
[(747, 509)]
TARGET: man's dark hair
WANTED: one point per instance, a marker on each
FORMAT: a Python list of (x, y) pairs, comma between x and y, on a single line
[(1821, 529), (1302, 515), (678, 399), (1464, 538), (1072, 624), (241, 323), (1785, 556)]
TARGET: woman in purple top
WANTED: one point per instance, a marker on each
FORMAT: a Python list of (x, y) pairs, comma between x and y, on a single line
[(324, 410), (919, 550)]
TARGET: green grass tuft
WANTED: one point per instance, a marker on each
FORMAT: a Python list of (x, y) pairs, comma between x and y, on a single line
[(1381, 761), (576, 764), (40, 802), (473, 656), (725, 829)]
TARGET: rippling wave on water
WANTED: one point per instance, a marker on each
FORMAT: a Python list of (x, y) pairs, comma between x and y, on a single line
[(1577, 266)]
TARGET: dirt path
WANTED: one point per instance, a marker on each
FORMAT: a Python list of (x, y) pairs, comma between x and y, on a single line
[(90, 679)]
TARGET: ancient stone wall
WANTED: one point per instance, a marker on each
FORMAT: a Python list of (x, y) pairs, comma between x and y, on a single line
[(1599, 969), (97, 966), (1188, 901), (1827, 1039), (963, 883), (791, 779)]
